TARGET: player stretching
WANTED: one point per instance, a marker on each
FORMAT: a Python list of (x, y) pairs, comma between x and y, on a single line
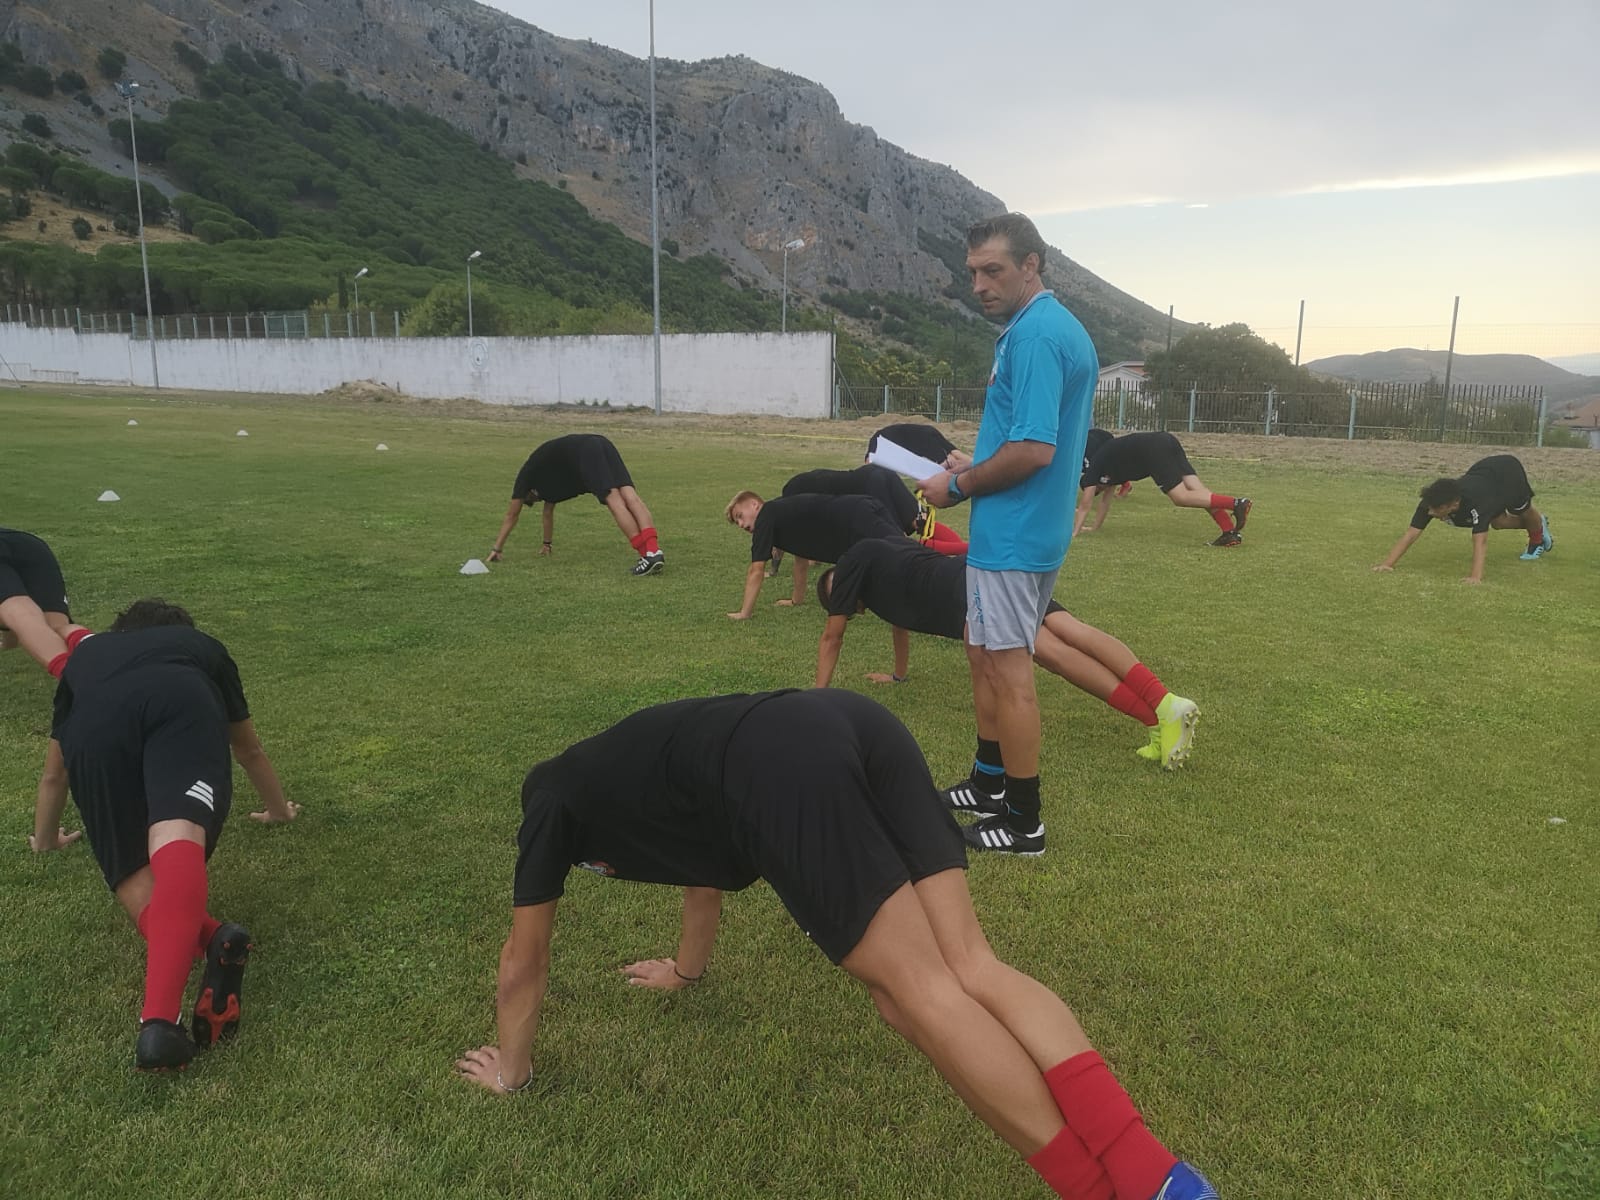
[(1493, 494), (1124, 459), (565, 467), (824, 795)]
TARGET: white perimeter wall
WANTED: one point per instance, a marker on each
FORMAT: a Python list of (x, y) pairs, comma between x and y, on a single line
[(770, 374)]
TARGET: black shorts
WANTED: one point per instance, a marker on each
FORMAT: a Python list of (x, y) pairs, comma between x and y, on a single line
[(28, 568), (1510, 479), (1169, 464), (601, 468), (832, 803), (146, 758)]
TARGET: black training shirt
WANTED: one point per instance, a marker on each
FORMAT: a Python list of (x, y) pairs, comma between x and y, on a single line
[(1490, 486), (882, 484), (112, 667), (554, 469), (820, 528), (925, 440), (1129, 457), (904, 583), (643, 800), (1096, 442)]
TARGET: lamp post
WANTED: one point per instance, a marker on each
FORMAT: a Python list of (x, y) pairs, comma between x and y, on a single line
[(127, 89), (655, 214), (470, 257), (357, 282), (797, 244)]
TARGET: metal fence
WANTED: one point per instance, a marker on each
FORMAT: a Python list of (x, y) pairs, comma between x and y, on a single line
[(1499, 414), (298, 324)]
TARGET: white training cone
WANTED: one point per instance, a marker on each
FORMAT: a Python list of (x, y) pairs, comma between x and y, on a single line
[(108, 494), (474, 566), (242, 433), (133, 422), (381, 446)]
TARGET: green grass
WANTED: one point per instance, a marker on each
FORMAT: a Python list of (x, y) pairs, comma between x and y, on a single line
[(1343, 951)]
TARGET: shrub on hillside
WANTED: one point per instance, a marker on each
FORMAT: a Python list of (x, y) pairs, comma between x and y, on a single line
[(35, 124), (71, 81), (81, 229), (36, 81), (111, 62)]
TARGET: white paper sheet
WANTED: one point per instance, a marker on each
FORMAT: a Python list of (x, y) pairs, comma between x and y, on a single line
[(898, 458)]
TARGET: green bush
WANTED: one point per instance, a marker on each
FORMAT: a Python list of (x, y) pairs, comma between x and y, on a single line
[(81, 229), (111, 62), (35, 124), (71, 81), (36, 81)]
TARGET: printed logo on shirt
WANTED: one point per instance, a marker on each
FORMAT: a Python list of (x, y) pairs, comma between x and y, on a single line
[(201, 791), (600, 868)]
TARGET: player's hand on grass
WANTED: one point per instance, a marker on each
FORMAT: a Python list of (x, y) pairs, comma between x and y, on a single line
[(493, 556), (61, 839), (784, 603), (1383, 567), (659, 973), (270, 817), (739, 616), (1473, 579), (879, 677), (546, 550), (483, 1067)]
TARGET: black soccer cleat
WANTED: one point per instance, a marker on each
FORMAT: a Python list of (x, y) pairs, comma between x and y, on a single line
[(968, 797), (650, 564), (1228, 537), (997, 834), (162, 1046), (216, 1008), (1241, 510)]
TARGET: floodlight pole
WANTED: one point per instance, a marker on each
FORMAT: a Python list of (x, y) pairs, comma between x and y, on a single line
[(357, 282), (128, 89), (795, 244), (1299, 332), (655, 213), (470, 257)]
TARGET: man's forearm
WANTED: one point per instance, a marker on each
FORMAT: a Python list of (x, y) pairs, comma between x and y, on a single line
[(797, 594), (752, 588), (902, 653), (702, 911), (1005, 468), (48, 807), (264, 778), (828, 652), (1480, 554), (1400, 547), (506, 526), (517, 1002), (547, 522)]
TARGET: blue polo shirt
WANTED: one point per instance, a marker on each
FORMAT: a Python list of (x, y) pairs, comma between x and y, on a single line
[(1041, 390)]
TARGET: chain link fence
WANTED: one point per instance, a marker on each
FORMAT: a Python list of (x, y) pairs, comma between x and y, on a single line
[(295, 324)]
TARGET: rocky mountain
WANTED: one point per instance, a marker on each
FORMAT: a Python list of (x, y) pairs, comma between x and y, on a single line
[(751, 157), (1418, 366)]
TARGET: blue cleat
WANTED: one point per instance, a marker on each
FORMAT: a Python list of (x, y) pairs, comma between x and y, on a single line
[(1183, 1182), (1548, 542)]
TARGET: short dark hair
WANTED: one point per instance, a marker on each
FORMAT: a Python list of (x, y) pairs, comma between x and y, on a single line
[(1441, 492), (1022, 237), (148, 614), (824, 588)]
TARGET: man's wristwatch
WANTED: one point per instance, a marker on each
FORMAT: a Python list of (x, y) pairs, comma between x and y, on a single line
[(954, 489)]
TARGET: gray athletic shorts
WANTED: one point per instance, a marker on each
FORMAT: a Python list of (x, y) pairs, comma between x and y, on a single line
[(1006, 608)]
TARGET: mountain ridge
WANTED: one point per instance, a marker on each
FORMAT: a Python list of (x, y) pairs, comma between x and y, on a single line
[(1410, 365)]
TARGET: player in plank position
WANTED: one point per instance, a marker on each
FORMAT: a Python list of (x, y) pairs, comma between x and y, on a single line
[(1133, 456), (811, 528), (886, 487), (565, 467), (33, 602), (145, 715), (919, 591), (825, 795), (1493, 494), (924, 440), (1097, 438)]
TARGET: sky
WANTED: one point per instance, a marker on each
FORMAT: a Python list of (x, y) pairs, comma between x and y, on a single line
[(1374, 159)]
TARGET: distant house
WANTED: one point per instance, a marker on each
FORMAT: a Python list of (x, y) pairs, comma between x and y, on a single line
[(1585, 420), (1123, 376)]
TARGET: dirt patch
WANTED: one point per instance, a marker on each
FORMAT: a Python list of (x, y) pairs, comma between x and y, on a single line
[(58, 217)]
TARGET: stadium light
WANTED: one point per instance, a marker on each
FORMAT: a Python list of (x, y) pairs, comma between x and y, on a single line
[(359, 274), (128, 89), (655, 214), (797, 244), (470, 257)]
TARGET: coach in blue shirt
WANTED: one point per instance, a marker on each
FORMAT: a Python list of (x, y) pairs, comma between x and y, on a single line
[(1022, 481)]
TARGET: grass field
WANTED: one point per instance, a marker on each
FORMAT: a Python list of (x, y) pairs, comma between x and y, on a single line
[(1345, 953)]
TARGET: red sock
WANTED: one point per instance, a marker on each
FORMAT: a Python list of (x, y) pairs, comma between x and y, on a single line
[(76, 636), (1146, 686), (1099, 1112), (1223, 517), (171, 926), (57, 664), (1220, 501), (651, 546), (637, 541), (1125, 700), (1067, 1166), (945, 540)]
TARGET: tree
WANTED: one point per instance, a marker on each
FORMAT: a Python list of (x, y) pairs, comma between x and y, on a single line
[(71, 81), (36, 124), (36, 81), (81, 229), (111, 62), (1229, 356)]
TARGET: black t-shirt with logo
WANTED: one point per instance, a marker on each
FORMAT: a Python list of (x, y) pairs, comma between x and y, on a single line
[(1096, 442), (820, 528), (1490, 487), (904, 583), (882, 484), (113, 670), (1134, 456), (643, 800)]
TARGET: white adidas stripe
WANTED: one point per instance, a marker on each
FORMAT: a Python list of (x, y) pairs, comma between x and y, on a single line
[(201, 791)]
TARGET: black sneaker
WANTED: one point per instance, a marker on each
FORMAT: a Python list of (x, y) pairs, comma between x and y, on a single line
[(216, 1008), (968, 797), (650, 564), (162, 1046), (996, 834), (1241, 510), (1228, 537)]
